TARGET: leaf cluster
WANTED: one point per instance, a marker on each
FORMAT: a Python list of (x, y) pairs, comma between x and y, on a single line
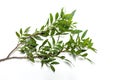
[(52, 45)]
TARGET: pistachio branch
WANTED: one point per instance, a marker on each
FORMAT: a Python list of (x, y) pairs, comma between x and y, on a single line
[(50, 49)]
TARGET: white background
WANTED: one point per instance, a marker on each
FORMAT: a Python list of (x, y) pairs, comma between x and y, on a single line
[(100, 17)]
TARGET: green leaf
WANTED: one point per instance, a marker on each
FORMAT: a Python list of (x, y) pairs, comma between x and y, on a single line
[(84, 55), (31, 42), (51, 18), (52, 68), (56, 16), (83, 35), (80, 51), (44, 33), (17, 34), (78, 39), (62, 13), (76, 31), (42, 28), (71, 39), (93, 49), (46, 48), (52, 32), (72, 14), (49, 44), (30, 57), (53, 40), (47, 23), (21, 31), (38, 37), (55, 63), (69, 16), (27, 30), (44, 43), (26, 34), (62, 57)]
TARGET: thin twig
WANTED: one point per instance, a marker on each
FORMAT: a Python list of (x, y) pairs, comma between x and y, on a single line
[(13, 50), (24, 57)]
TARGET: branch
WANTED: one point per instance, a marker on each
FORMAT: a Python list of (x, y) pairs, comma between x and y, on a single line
[(9, 58), (13, 50)]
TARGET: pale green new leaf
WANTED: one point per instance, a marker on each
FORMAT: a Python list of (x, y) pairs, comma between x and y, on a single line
[(84, 34), (72, 14), (76, 31)]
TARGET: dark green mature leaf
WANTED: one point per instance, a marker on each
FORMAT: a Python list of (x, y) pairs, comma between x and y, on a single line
[(44, 43), (56, 16), (47, 23), (21, 31), (51, 18), (52, 68), (62, 57), (17, 34), (27, 30), (38, 37), (26, 34), (45, 33), (84, 34), (84, 55), (30, 57), (53, 40), (46, 48), (49, 44), (32, 42), (52, 32), (42, 28), (55, 63), (80, 51)]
